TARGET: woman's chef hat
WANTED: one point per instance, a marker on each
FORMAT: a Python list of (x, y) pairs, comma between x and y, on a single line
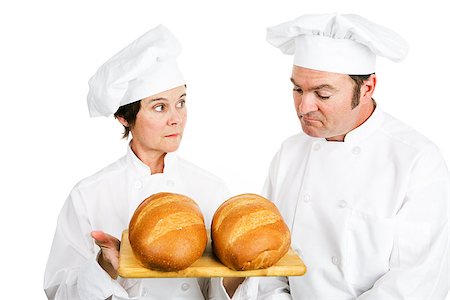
[(337, 43), (144, 68)]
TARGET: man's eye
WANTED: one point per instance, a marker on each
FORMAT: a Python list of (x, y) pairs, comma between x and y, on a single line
[(322, 97), (298, 90), (159, 107)]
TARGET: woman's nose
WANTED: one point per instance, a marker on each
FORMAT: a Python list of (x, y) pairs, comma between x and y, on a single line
[(175, 117)]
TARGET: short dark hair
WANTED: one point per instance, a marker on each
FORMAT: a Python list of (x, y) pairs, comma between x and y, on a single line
[(129, 113), (359, 80)]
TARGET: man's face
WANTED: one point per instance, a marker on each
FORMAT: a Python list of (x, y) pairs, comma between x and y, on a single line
[(323, 103)]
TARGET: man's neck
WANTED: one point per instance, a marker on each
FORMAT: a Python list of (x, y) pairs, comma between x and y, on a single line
[(365, 113)]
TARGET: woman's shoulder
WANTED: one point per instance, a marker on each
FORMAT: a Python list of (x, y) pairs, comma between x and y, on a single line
[(196, 172), (104, 175)]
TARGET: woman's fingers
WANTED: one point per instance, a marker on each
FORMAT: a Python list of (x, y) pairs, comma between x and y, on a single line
[(110, 247), (104, 240)]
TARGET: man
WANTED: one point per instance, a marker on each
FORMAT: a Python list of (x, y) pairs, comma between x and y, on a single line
[(366, 196)]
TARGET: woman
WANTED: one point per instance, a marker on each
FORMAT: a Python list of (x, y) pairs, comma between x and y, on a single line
[(144, 89)]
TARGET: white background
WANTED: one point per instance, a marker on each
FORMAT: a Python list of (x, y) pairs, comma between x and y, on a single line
[(239, 98)]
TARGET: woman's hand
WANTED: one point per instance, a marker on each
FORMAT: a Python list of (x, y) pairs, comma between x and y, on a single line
[(108, 257)]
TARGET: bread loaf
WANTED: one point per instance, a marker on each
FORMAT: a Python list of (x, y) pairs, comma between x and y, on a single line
[(167, 232), (248, 233)]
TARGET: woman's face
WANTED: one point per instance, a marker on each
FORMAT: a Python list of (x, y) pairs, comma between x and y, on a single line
[(160, 122)]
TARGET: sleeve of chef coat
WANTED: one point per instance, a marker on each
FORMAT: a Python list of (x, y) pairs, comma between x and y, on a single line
[(261, 288), (273, 287), (72, 270), (246, 290), (419, 265)]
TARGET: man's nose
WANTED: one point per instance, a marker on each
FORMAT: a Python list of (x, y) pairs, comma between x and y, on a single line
[(307, 104)]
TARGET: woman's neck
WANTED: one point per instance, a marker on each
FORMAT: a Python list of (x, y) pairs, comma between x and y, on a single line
[(153, 159)]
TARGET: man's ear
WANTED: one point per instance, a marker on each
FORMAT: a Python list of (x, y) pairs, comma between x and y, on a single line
[(369, 86), (122, 121)]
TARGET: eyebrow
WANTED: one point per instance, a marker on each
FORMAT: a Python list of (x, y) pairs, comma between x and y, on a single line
[(164, 99), (315, 88)]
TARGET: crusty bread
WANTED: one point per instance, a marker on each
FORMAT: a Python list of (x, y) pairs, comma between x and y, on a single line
[(248, 233), (167, 232)]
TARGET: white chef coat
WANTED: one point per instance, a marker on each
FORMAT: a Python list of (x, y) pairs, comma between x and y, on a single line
[(106, 201), (369, 216)]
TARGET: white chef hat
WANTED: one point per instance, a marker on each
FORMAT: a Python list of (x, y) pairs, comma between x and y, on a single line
[(145, 67), (338, 43)]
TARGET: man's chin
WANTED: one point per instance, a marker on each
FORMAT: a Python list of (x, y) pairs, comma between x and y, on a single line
[(312, 133)]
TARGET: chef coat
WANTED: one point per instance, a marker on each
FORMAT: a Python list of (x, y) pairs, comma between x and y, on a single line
[(106, 201), (369, 216)]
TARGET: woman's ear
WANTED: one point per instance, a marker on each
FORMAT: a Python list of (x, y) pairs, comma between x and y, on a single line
[(122, 121)]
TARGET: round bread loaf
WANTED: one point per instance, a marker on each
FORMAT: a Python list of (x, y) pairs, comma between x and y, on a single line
[(248, 233), (167, 232)]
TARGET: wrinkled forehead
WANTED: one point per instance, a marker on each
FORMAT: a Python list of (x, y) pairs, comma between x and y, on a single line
[(308, 78)]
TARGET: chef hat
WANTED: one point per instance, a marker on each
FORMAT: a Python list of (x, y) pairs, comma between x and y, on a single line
[(339, 43), (144, 68)]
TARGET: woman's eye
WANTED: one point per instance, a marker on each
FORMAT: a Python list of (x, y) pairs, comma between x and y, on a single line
[(159, 107), (181, 103)]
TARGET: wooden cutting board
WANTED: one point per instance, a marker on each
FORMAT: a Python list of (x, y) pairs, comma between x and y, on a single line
[(206, 266)]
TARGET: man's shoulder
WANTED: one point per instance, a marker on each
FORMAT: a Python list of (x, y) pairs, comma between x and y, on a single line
[(402, 133), (295, 141)]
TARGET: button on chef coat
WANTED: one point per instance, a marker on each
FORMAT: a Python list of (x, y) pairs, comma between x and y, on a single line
[(106, 201), (185, 286), (369, 214)]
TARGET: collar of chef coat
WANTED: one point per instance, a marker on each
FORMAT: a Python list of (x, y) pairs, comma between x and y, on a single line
[(364, 130), (144, 170)]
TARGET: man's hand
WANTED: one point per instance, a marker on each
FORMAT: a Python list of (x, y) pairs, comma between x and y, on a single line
[(108, 257)]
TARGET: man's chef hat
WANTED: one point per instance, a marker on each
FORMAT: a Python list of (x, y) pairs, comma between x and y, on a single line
[(337, 43), (144, 68)]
